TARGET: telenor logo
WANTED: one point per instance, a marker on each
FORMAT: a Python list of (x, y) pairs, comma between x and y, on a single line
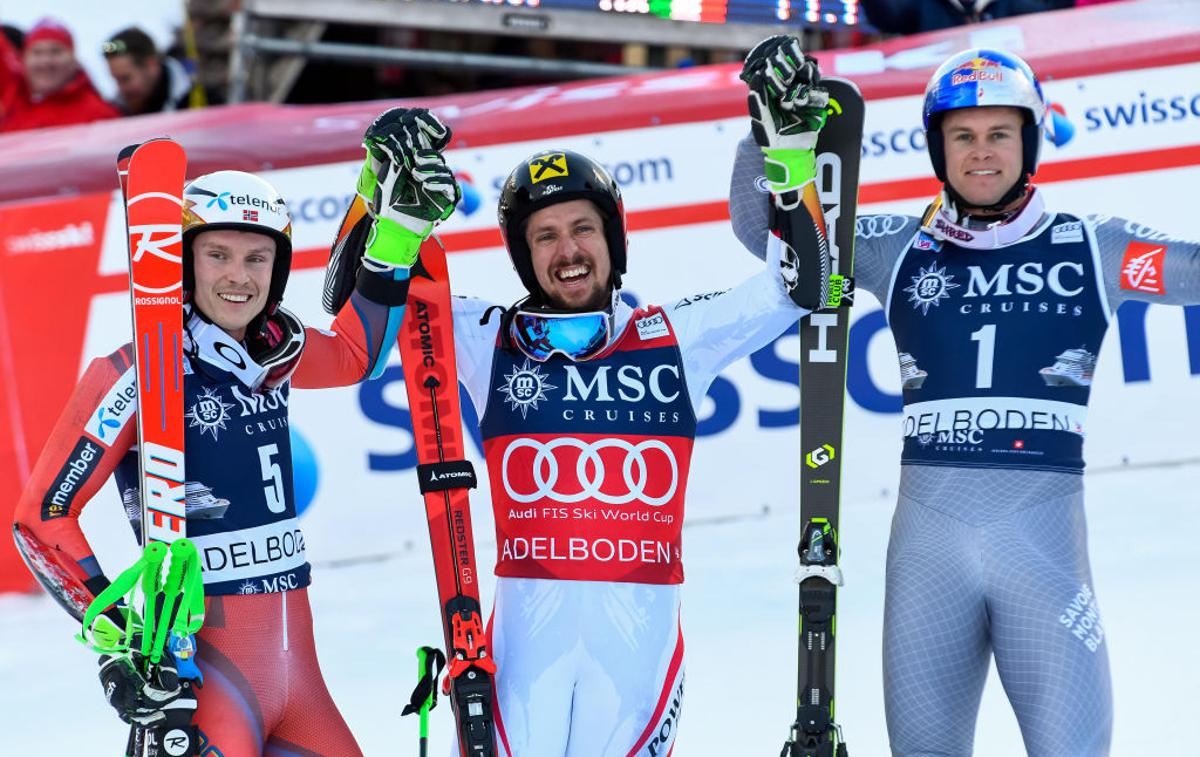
[(115, 410)]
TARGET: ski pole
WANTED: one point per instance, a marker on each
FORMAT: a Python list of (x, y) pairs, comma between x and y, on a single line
[(430, 661)]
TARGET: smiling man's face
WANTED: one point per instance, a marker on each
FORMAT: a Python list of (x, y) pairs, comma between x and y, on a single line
[(984, 156), (570, 255), (233, 276)]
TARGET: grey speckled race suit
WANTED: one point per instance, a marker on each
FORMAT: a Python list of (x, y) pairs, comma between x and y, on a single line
[(988, 550)]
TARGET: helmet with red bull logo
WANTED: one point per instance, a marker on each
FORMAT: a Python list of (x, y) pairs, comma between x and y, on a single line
[(979, 78)]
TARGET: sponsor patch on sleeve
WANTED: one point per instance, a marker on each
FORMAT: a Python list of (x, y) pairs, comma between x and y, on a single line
[(652, 327), (1065, 233), (74, 474), (1142, 268), (115, 410)]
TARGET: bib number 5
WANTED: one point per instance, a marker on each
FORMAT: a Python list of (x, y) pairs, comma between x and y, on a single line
[(273, 476)]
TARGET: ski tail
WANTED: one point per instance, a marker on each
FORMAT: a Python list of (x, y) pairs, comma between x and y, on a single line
[(823, 341), (445, 477)]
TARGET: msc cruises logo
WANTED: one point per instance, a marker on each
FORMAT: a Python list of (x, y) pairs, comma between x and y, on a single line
[(209, 413), (525, 387), (929, 286)]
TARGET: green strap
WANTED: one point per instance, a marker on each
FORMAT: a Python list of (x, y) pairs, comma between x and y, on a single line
[(394, 244), (788, 169), (151, 585), (189, 622), (123, 586), (183, 585)]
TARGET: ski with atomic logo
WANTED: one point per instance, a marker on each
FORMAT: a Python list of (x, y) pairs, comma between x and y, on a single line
[(163, 591), (445, 475), (823, 340)]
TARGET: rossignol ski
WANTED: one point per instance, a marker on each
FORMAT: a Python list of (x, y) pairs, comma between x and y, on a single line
[(445, 475), (163, 591), (823, 338)]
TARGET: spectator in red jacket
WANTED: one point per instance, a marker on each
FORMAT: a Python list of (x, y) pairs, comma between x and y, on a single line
[(45, 85)]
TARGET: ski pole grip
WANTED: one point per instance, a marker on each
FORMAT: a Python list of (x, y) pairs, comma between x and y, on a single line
[(448, 474)]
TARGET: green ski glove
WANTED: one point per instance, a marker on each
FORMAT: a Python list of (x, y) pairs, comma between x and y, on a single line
[(407, 186), (788, 108)]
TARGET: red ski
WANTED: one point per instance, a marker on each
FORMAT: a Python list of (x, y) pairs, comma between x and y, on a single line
[(431, 378), (152, 177)]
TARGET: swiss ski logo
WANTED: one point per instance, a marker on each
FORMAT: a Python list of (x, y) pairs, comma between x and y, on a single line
[(525, 387), (1142, 268)]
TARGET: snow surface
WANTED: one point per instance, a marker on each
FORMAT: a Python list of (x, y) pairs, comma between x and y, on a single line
[(738, 617)]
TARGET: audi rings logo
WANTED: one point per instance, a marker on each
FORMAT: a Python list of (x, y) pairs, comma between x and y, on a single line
[(874, 227), (594, 478)]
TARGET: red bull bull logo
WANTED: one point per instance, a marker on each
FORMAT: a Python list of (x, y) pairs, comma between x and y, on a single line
[(977, 70)]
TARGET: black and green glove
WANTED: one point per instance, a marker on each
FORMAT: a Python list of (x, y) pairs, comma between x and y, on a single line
[(405, 182), (788, 108)]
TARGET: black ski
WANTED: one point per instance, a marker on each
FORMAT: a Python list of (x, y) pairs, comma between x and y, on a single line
[(823, 339)]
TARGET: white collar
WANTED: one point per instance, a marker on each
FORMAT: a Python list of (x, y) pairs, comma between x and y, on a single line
[(941, 223), (211, 344)]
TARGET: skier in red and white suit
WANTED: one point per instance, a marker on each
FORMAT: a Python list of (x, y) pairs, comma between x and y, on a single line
[(588, 413), (263, 691)]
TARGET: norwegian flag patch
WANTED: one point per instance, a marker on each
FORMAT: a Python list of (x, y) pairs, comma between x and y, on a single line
[(250, 215), (1142, 268)]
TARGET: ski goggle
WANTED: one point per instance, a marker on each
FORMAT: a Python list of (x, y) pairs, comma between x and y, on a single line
[(577, 336)]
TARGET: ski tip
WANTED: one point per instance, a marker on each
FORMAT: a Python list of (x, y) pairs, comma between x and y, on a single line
[(127, 152)]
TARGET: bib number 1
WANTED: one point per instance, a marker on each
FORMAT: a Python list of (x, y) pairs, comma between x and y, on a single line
[(986, 355)]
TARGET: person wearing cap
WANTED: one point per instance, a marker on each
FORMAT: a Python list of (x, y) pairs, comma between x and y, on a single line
[(998, 305), (588, 410), (147, 81), (45, 85), (243, 353)]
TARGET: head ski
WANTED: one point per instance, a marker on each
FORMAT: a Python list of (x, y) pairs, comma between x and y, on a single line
[(823, 338)]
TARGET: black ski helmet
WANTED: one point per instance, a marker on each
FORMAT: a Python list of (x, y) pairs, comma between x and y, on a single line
[(243, 202), (547, 178)]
